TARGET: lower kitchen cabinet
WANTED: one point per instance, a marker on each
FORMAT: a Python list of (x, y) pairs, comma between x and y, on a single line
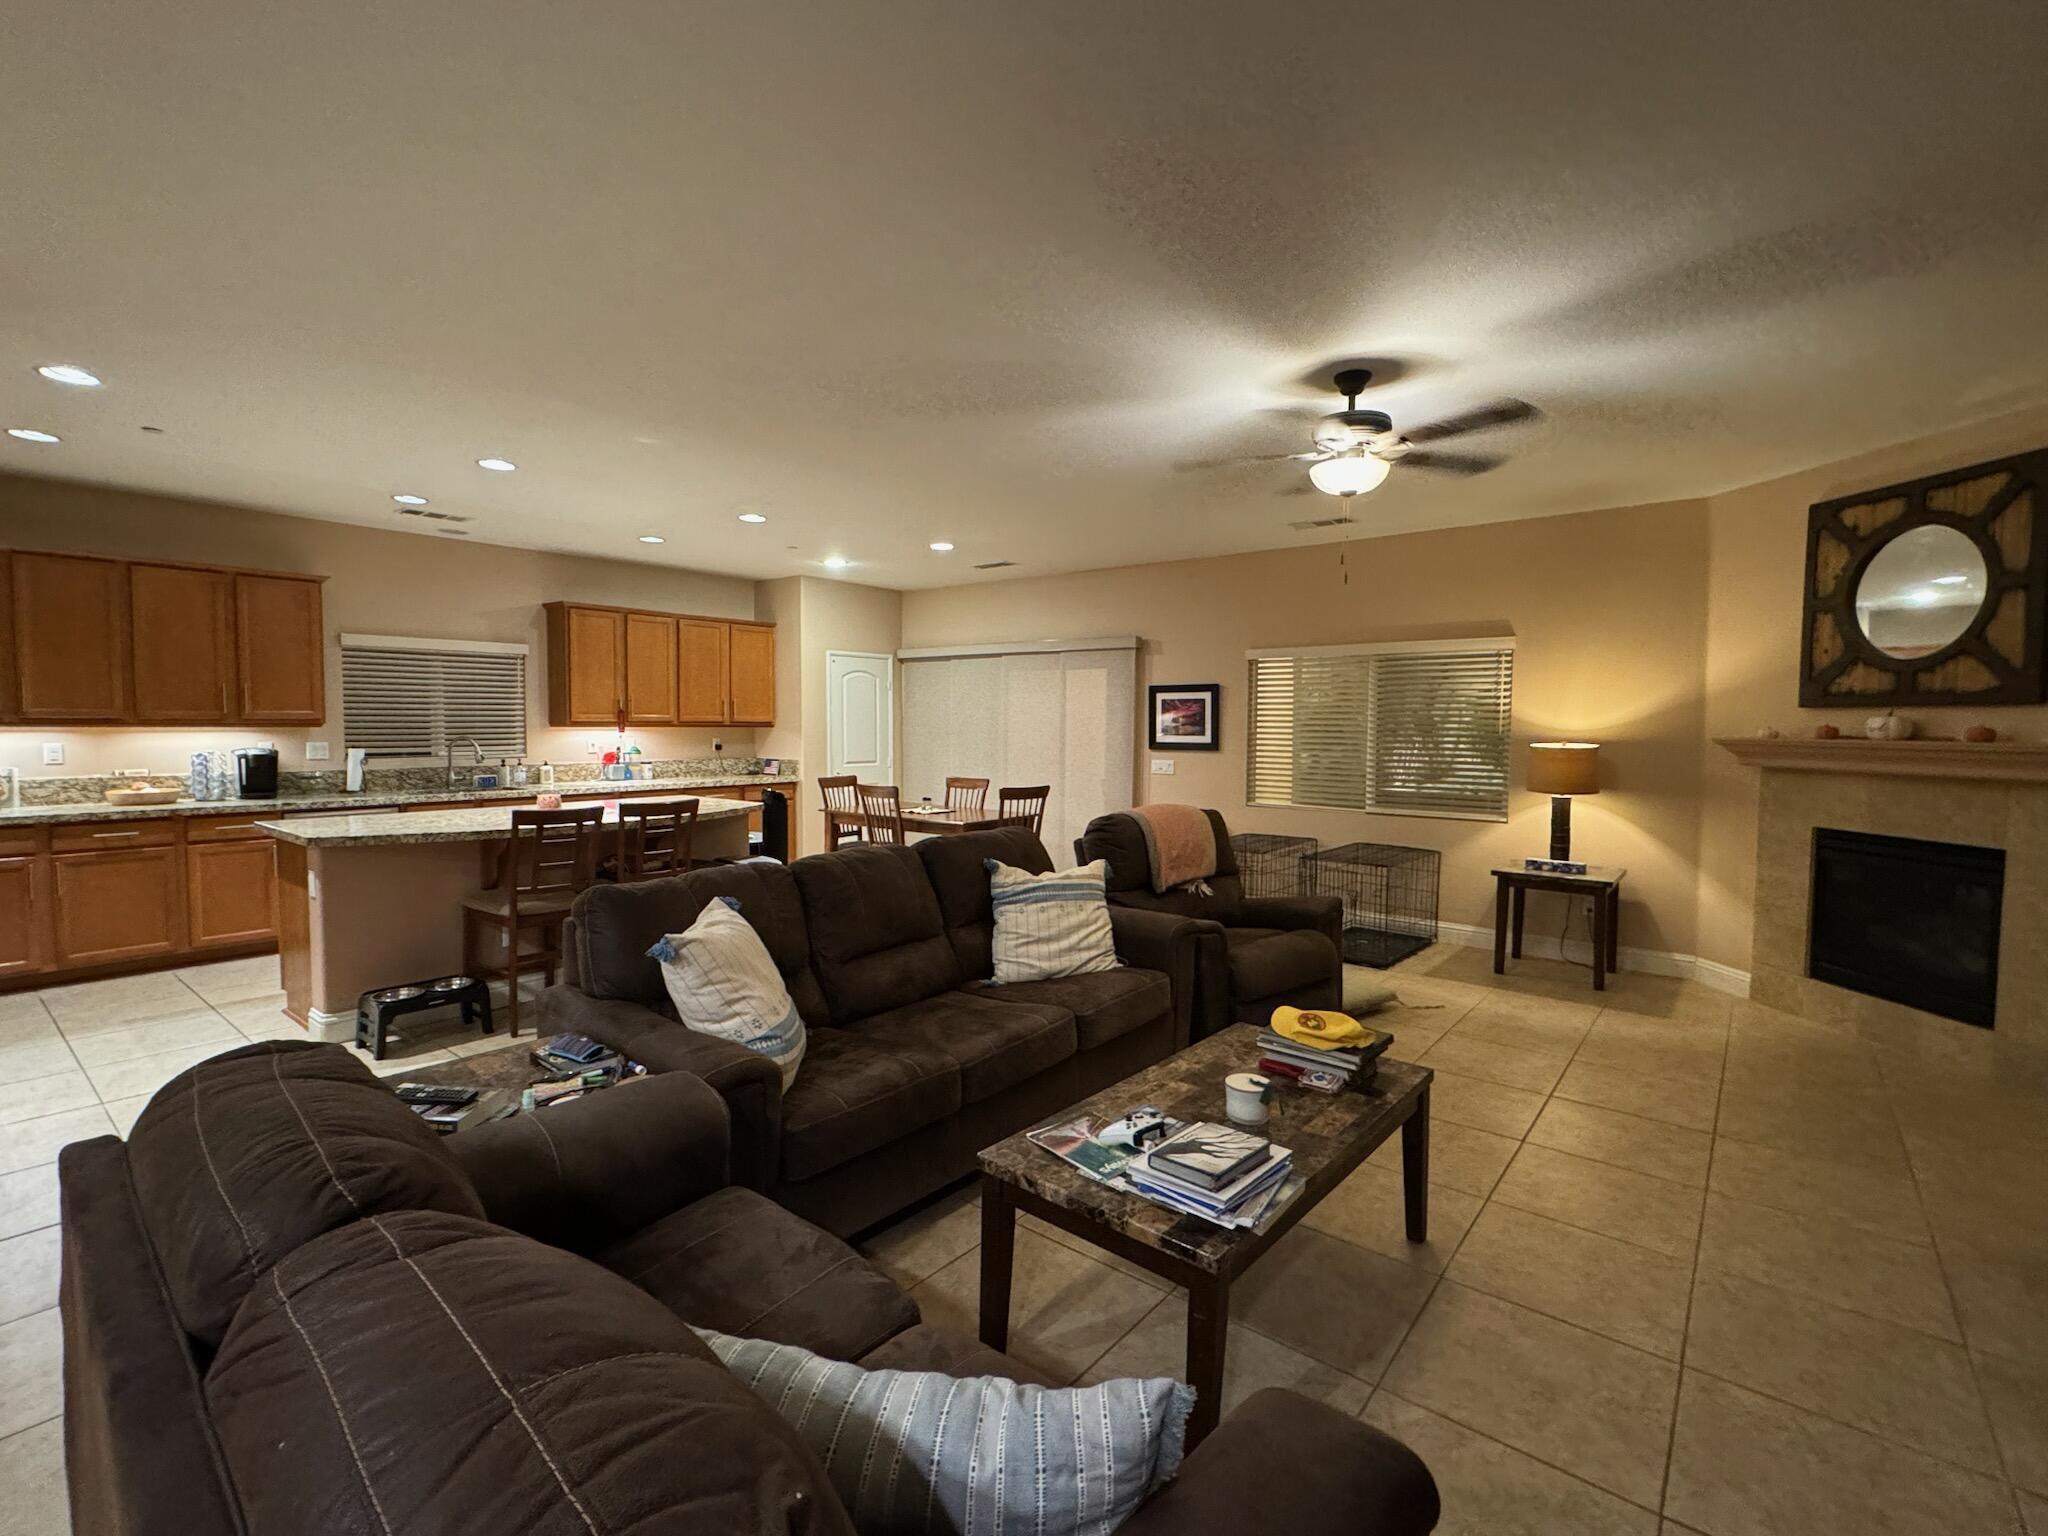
[(24, 916), (121, 904), (230, 893)]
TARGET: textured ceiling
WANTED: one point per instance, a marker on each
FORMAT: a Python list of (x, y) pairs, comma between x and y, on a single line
[(898, 272)]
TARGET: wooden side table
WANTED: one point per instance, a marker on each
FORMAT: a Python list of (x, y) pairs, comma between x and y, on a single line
[(1602, 882)]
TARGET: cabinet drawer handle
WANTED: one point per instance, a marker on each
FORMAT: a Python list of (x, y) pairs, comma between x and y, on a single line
[(117, 834)]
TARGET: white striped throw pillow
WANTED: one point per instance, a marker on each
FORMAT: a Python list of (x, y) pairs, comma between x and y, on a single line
[(723, 982), (1050, 925), (910, 1452)]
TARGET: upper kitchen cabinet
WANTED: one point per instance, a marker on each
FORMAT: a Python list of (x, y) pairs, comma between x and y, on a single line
[(750, 695), (650, 669), (70, 637), (706, 652), (657, 668), (280, 650), (182, 652), (586, 664)]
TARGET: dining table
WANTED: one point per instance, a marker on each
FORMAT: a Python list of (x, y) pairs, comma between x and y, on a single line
[(939, 821)]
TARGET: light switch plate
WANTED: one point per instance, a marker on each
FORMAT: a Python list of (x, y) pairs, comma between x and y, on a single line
[(1162, 765), (316, 751), (53, 754)]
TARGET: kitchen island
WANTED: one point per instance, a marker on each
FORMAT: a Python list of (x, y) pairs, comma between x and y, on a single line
[(373, 900)]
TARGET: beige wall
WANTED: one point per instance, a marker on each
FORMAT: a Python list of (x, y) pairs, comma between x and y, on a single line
[(835, 616), (1756, 556), (378, 583), (1608, 611)]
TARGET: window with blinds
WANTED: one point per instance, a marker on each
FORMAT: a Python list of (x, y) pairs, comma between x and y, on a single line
[(412, 698), (1406, 730)]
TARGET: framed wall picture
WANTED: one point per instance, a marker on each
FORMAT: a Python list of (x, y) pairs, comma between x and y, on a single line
[(1183, 716)]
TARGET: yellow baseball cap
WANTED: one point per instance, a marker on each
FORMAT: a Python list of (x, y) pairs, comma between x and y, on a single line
[(1326, 1031)]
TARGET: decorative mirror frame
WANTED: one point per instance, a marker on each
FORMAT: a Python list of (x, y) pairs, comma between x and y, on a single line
[(2001, 506)]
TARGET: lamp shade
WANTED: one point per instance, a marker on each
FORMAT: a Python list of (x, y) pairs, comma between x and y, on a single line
[(1349, 474), (1564, 767)]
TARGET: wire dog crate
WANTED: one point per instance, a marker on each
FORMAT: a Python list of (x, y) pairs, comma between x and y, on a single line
[(1390, 897), (1270, 865)]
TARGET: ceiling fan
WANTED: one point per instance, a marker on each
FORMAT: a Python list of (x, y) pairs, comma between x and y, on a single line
[(1355, 450)]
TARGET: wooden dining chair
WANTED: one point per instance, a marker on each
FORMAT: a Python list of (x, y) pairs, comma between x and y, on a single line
[(1016, 805), (842, 798), (655, 837), (881, 809), (552, 856), (966, 794)]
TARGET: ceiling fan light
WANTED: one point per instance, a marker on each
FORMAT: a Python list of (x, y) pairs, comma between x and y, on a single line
[(1350, 474)]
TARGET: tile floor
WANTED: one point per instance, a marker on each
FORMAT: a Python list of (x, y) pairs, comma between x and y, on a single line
[(1694, 1266)]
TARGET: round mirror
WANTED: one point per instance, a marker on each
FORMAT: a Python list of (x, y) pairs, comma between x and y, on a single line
[(1922, 591)]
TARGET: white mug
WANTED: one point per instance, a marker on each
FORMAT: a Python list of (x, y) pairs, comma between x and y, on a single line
[(1244, 1097)]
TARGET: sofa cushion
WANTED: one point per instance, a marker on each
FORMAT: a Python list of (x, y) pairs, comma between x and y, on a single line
[(957, 867), (241, 1159), (613, 927), (738, 1262), (1267, 961), (422, 1372), (876, 938), (1105, 1004), (856, 1094), (994, 1044), (1118, 840), (930, 1347)]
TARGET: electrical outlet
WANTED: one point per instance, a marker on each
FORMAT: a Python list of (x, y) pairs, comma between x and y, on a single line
[(717, 745), (316, 751), (595, 746), (1162, 765), (312, 885), (53, 754)]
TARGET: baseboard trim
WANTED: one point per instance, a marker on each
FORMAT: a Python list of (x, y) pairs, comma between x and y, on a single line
[(339, 1027), (1654, 962)]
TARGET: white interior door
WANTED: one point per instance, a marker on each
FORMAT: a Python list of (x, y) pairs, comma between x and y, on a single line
[(860, 713)]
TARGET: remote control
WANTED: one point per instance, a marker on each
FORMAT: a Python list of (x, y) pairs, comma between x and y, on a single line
[(426, 1093)]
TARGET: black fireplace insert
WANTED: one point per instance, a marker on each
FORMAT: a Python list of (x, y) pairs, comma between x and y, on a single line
[(1915, 922)]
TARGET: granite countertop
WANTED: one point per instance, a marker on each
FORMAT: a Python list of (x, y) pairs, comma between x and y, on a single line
[(400, 827), (581, 789)]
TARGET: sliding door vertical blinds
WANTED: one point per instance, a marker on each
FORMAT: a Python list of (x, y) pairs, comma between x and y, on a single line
[(413, 697), (1419, 731)]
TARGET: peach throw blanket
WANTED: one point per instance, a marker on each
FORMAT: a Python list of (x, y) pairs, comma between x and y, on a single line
[(1180, 842)]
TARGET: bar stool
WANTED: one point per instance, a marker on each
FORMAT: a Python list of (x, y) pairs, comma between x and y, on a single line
[(655, 837), (552, 856)]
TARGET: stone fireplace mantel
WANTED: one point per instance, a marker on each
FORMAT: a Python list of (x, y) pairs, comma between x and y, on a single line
[(2008, 762)]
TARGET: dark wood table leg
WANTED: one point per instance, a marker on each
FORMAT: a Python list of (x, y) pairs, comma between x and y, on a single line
[(1515, 940), (1500, 925), (1415, 1169), (1614, 928), (998, 1235), (1208, 1335), (1599, 943)]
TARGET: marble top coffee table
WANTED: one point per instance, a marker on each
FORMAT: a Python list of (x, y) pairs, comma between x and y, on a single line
[(1329, 1135)]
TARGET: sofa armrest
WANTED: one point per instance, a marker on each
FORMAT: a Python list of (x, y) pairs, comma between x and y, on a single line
[(1160, 941), (750, 1084), (1322, 913), (588, 1173), (1284, 1462)]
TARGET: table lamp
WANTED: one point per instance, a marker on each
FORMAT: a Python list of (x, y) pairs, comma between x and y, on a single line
[(1562, 769)]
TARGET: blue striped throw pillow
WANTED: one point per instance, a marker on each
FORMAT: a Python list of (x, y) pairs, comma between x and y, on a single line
[(914, 1451), (1050, 925), (724, 982)]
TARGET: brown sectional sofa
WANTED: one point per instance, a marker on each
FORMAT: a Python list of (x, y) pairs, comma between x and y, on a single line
[(915, 1059), (289, 1309)]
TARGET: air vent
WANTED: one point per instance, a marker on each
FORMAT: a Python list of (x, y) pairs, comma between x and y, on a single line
[(429, 515), (1306, 524), (995, 565)]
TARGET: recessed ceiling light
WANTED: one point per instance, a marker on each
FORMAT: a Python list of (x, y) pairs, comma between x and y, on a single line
[(407, 499), (752, 517), (652, 538), (502, 466), (941, 548), (69, 373), (836, 562), (31, 435)]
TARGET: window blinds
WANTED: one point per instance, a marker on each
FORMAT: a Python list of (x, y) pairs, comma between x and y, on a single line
[(1406, 730), (412, 698)]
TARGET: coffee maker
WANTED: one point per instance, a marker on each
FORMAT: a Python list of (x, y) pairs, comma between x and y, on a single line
[(256, 773)]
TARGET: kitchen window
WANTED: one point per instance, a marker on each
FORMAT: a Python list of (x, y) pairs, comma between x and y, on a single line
[(1412, 728), (405, 697)]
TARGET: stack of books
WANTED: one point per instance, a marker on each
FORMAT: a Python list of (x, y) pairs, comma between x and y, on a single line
[(1216, 1172), (1324, 1068)]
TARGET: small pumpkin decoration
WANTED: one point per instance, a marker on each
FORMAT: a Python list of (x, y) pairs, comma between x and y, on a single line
[(1826, 732), (1888, 727), (1980, 733)]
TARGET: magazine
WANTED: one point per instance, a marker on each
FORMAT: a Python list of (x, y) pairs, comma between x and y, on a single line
[(1075, 1143)]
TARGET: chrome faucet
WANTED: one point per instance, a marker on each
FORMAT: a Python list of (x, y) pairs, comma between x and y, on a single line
[(474, 746)]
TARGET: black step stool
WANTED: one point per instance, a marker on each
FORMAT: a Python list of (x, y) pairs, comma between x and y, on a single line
[(376, 1009)]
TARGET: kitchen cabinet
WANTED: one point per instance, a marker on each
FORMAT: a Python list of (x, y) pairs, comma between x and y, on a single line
[(182, 644), (118, 905), (750, 667), (650, 671), (704, 659), (586, 664), (280, 650), (70, 637), (230, 892), (24, 915)]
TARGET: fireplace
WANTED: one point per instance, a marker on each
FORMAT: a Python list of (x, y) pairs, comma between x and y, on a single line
[(1915, 922)]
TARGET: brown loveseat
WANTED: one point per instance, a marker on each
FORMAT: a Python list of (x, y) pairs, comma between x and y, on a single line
[(915, 1059), (289, 1309), (1255, 952)]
